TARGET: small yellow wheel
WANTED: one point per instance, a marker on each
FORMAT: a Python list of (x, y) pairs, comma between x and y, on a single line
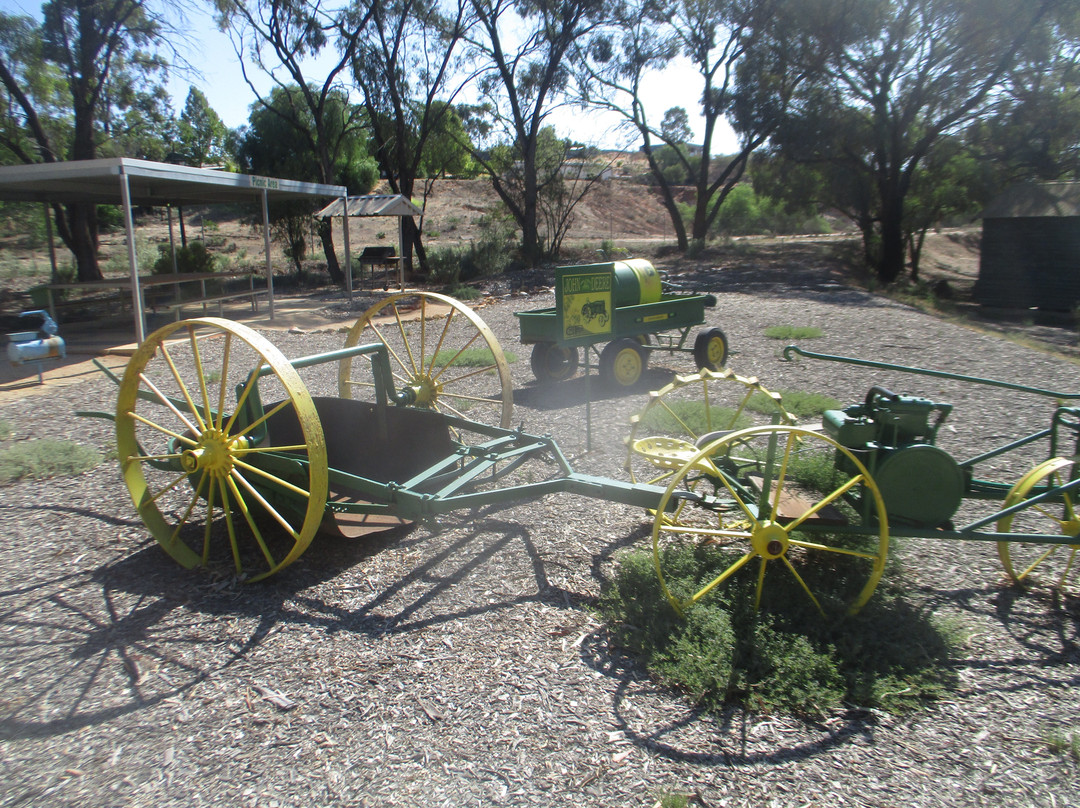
[(197, 447), (1055, 565), (622, 362), (785, 497), (693, 409), (441, 350)]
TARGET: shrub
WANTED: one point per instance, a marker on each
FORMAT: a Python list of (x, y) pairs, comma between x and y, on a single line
[(195, 257), (45, 458), (788, 659)]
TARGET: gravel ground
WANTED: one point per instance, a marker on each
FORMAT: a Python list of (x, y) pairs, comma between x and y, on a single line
[(460, 662)]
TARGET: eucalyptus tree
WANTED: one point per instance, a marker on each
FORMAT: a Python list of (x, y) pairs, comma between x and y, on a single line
[(903, 78), (76, 86), (749, 56), (283, 40), (523, 48), (410, 66)]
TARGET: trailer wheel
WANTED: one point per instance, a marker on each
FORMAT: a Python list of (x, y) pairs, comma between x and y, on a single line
[(553, 363), (1054, 565), (622, 362), (710, 349), (208, 483), (441, 350), (768, 520)]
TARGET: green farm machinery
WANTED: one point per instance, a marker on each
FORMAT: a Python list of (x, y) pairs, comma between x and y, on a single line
[(230, 460), (622, 304)]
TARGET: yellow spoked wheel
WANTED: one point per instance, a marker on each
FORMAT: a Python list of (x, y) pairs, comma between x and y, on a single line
[(441, 350), (198, 453), (689, 411), (1054, 565), (778, 504)]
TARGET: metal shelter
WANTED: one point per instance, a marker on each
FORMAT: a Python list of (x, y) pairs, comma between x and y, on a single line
[(372, 205), (127, 182)]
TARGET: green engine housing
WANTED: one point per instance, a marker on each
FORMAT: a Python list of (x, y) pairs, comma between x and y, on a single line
[(893, 435)]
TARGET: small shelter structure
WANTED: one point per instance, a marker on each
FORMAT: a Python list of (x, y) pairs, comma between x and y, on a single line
[(374, 205), (127, 182), (1030, 255)]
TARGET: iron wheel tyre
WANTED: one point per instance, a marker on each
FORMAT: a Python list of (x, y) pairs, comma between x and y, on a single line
[(203, 479), (429, 338), (771, 500), (1027, 563)]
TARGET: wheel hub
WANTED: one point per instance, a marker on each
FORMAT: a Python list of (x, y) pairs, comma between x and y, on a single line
[(214, 454), (769, 540), (1071, 527), (426, 390)]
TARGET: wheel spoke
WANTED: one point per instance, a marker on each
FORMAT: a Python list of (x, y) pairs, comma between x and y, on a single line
[(825, 548), (234, 545), (470, 374), (182, 478), (187, 513), (802, 583), (183, 387), (478, 399), (829, 500), (404, 339), (164, 430), (760, 587), (719, 579), (263, 418), (170, 406), (197, 356), (223, 384), (281, 520), (447, 365), (272, 478), (241, 503), (208, 528)]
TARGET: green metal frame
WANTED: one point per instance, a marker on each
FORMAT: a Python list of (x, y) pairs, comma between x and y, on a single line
[(1063, 417)]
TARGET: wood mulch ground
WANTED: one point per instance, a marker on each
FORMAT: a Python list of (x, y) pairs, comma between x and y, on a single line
[(461, 662)]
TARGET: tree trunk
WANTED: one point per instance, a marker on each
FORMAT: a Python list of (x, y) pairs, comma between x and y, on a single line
[(891, 262), (82, 239), (326, 235)]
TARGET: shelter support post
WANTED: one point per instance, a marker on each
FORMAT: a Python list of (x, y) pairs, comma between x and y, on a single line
[(269, 264), (348, 248), (133, 260)]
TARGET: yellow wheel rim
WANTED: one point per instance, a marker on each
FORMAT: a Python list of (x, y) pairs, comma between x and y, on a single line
[(429, 338), (1026, 563), (205, 483), (691, 407), (765, 532)]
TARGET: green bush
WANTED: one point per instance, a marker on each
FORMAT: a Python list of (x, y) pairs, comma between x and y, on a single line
[(39, 459), (195, 257), (786, 657), (746, 213)]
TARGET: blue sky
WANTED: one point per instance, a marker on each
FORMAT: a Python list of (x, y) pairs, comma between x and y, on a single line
[(221, 80)]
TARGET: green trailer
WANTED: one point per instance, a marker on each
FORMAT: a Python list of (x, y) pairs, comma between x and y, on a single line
[(622, 305)]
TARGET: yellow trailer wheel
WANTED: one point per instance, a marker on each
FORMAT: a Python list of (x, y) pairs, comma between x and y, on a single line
[(207, 481), (779, 491), (1054, 565), (441, 350)]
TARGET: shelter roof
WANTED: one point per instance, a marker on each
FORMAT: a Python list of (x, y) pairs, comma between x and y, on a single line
[(372, 205), (150, 183), (1036, 200)]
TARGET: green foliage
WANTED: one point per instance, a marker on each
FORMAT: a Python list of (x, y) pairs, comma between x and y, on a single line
[(1064, 743), (5, 429), (463, 292), (39, 459), (786, 659), (195, 257), (789, 332), (799, 403), (490, 254), (682, 416), (470, 358), (745, 212), (110, 218), (203, 135)]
